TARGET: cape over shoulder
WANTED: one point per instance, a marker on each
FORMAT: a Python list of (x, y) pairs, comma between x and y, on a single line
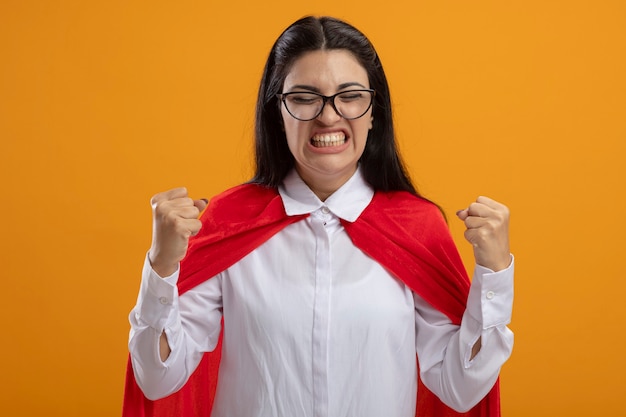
[(405, 233), (409, 236), (234, 223)]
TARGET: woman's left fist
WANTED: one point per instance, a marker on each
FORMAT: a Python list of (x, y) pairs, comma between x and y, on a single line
[(487, 223)]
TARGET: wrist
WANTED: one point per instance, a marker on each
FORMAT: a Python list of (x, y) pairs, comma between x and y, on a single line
[(498, 265), (162, 269)]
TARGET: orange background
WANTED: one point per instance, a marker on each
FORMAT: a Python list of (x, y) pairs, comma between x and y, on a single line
[(104, 103)]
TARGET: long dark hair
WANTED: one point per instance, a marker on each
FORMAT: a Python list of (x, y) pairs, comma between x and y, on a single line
[(380, 163)]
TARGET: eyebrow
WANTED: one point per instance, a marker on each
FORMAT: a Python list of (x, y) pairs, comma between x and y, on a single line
[(317, 90)]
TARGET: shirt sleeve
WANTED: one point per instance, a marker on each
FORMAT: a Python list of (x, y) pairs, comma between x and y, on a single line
[(444, 349), (160, 309)]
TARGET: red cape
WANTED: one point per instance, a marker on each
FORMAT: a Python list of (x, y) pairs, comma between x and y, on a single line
[(405, 234)]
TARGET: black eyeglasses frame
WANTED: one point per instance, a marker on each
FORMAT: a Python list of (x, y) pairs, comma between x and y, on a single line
[(327, 99)]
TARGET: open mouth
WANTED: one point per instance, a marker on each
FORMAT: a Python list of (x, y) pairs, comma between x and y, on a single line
[(325, 140)]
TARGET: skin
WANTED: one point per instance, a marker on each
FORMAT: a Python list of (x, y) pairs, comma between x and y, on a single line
[(174, 221), (487, 229), (324, 170)]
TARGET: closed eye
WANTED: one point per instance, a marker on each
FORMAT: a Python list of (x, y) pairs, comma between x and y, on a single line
[(350, 96), (303, 99)]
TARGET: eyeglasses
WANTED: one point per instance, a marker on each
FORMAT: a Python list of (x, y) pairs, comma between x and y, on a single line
[(305, 106)]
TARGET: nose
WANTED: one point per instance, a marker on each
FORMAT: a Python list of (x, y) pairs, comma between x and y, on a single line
[(329, 114)]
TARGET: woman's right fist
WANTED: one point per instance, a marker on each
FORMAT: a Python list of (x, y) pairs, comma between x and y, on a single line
[(174, 221)]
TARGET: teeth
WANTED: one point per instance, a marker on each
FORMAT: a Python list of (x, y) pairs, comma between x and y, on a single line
[(329, 139)]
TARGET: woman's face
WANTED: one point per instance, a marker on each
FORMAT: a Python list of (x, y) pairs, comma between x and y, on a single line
[(326, 149)]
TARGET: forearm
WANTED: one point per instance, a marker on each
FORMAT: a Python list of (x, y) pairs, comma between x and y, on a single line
[(155, 377), (164, 350), (461, 380), (460, 364)]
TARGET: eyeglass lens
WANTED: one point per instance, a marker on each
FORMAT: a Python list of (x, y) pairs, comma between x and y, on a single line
[(349, 104)]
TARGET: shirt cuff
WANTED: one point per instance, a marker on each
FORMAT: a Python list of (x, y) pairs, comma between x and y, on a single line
[(490, 300), (158, 298)]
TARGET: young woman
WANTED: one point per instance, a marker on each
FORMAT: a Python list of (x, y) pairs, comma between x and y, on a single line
[(323, 279)]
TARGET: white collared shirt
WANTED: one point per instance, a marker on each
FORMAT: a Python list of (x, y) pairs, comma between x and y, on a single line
[(314, 327)]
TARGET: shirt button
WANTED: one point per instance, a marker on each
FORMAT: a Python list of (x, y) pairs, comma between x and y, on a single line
[(163, 300), (325, 210), (490, 295)]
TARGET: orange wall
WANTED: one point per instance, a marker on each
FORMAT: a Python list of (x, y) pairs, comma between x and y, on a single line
[(104, 103)]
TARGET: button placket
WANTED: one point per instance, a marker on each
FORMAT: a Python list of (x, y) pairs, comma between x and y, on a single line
[(321, 313)]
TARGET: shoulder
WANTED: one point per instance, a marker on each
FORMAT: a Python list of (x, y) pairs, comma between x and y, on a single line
[(403, 212), (243, 202), (245, 193), (402, 203)]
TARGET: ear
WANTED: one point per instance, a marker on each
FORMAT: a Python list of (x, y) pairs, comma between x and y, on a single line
[(371, 123)]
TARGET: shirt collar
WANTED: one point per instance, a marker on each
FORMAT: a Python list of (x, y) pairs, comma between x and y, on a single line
[(347, 203)]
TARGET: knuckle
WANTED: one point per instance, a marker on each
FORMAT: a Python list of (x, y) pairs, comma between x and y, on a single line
[(177, 221), (181, 228), (499, 220), (163, 210), (159, 212), (195, 228), (172, 220), (156, 199)]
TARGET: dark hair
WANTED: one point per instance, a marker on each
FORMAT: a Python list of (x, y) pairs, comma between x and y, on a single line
[(381, 164)]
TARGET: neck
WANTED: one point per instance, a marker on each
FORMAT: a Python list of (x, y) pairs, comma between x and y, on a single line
[(323, 186)]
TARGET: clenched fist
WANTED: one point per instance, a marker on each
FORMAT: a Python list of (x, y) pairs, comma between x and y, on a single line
[(174, 221), (487, 223)]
